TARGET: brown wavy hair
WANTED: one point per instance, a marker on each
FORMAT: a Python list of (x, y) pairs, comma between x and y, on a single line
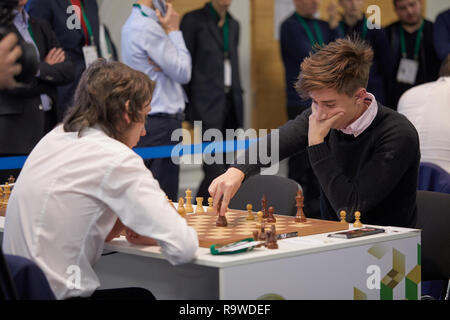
[(101, 95), (343, 65)]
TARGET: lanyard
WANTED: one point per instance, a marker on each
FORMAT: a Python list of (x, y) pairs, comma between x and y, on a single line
[(137, 5), (364, 28), (31, 33), (88, 32), (418, 40), (309, 32), (226, 28)]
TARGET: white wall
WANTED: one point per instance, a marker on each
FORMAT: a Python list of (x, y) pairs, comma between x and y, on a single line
[(114, 13), (434, 7)]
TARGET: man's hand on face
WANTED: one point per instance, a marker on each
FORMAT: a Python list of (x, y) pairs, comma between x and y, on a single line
[(320, 125), (10, 52)]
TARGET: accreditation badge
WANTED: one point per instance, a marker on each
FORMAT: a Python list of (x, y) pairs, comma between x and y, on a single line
[(227, 72), (407, 71), (90, 55)]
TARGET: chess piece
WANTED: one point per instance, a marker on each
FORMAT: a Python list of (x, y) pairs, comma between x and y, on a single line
[(262, 233), (264, 207), (357, 223), (300, 215), (260, 219), (199, 208), (343, 214), (181, 211), (271, 217), (1, 198), (250, 213), (221, 221), (188, 207), (210, 205), (271, 242)]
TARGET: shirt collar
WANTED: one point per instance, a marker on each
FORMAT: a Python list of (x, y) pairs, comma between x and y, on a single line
[(148, 11), (21, 18), (359, 125)]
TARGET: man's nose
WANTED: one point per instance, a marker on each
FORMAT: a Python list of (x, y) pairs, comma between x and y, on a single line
[(321, 113)]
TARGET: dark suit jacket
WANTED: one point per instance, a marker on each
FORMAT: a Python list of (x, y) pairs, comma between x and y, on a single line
[(21, 117), (207, 98), (55, 13)]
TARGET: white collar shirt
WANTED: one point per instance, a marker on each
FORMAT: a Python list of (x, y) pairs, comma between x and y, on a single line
[(67, 198)]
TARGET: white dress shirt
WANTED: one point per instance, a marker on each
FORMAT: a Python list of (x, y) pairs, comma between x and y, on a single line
[(67, 198), (427, 106), (144, 38)]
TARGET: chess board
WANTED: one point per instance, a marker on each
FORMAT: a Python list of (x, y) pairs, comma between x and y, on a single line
[(240, 228), (5, 192)]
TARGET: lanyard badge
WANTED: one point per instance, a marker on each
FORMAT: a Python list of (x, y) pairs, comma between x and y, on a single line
[(408, 68)]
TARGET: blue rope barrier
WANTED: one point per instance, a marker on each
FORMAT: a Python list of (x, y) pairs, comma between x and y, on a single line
[(158, 152)]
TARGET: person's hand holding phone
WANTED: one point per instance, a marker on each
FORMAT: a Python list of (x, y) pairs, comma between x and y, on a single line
[(171, 21)]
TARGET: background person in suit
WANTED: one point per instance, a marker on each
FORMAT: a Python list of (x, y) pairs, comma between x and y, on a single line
[(214, 92), (27, 112), (416, 34), (355, 24), (10, 52), (73, 40)]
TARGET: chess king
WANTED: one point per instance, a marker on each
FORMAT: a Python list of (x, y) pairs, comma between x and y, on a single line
[(364, 155)]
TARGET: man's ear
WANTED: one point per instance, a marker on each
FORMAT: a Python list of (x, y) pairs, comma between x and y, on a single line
[(126, 110), (361, 94)]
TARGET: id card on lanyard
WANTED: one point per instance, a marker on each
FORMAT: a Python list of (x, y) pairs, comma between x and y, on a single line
[(408, 68), (227, 70), (90, 53)]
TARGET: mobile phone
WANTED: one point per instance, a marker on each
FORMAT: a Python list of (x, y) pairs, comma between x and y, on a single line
[(160, 5)]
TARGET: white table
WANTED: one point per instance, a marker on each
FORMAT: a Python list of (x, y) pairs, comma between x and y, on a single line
[(311, 267)]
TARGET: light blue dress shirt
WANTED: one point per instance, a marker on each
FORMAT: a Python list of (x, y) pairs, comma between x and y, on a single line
[(21, 23), (142, 38)]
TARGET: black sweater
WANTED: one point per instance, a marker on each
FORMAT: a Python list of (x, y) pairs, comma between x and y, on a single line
[(374, 173)]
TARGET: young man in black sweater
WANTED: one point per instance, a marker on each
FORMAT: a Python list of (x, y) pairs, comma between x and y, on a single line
[(365, 156)]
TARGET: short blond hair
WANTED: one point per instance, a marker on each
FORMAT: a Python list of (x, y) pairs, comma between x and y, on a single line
[(343, 65)]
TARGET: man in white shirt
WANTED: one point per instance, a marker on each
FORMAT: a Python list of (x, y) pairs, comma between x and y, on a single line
[(82, 184), (151, 36), (428, 108)]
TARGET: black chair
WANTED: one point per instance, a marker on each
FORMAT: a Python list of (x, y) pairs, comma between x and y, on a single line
[(280, 193), (7, 287), (22, 279), (433, 178), (433, 217)]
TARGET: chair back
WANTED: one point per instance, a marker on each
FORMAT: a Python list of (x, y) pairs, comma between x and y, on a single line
[(433, 178), (433, 217), (279, 191)]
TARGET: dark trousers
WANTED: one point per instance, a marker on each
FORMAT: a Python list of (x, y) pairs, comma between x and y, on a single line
[(159, 130), (212, 171), (301, 171), (120, 294)]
